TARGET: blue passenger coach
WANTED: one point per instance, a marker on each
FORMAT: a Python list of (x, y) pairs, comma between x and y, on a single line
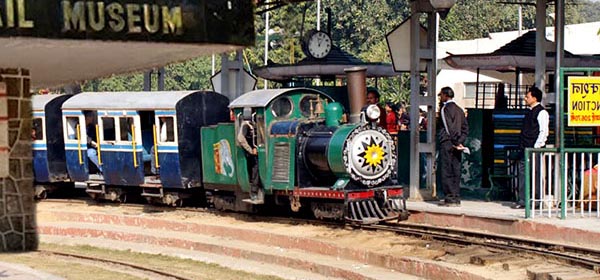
[(49, 165), (128, 126)]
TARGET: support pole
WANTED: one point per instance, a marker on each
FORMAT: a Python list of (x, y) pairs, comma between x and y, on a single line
[(415, 47), (559, 32), (540, 45)]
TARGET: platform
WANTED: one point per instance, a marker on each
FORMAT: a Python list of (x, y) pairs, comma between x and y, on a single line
[(500, 218)]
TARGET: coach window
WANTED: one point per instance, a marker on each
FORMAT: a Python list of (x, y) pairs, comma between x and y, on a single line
[(71, 130), (125, 126), (108, 129), (37, 129), (167, 129)]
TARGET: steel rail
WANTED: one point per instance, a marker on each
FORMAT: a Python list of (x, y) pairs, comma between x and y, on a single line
[(130, 265), (584, 257)]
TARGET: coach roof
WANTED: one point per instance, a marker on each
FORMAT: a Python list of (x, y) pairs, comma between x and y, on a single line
[(136, 100)]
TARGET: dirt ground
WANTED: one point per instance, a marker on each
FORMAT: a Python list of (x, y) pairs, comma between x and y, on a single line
[(381, 242)]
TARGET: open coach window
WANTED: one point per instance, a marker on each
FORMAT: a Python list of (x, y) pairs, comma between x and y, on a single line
[(72, 123), (125, 124), (37, 130), (167, 129), (108, 129)]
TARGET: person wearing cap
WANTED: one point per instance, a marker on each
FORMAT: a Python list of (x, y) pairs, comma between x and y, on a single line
[(452, 135)]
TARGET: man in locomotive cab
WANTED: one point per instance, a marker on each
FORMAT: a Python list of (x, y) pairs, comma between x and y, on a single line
[(92, 145), (373, 99), (246, 139)]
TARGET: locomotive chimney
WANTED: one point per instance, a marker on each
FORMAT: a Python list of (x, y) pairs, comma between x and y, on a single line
[(357, 91)]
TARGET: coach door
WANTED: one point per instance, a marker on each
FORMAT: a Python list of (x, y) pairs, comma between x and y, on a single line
[(121, 150), (166, 156), (75, 135)]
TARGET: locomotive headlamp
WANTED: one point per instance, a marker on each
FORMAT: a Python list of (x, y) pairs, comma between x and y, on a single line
[(373, 112)]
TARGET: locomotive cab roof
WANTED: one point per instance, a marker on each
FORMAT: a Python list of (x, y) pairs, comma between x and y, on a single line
[(262, 98)]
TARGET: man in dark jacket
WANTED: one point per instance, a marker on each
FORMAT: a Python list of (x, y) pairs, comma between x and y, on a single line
[(452, 135), (534, 134)]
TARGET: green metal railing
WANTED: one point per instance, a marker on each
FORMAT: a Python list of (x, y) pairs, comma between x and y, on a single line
[(561, 169)]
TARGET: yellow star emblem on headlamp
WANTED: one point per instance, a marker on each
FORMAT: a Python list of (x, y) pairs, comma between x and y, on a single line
[(374, 155)]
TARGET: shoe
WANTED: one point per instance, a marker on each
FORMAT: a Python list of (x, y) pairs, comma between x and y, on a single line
[(518, 206)]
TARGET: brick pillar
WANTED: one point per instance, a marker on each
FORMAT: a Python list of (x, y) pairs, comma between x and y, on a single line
[(17, 208)]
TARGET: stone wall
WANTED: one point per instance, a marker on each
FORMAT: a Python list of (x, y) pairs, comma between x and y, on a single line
[(17, 208)]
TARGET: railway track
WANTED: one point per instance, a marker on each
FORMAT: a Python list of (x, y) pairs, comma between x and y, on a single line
[(587, 258), (119, 265)]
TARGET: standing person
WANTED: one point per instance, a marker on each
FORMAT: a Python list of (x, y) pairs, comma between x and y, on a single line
[(534, 134), (92, 145), (373, 99), (500, 102), (391, 119), (403, 117), (452, 136), (245, 139)]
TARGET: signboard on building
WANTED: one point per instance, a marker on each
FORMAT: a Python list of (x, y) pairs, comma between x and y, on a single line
[(584, 101), (3, 131), (181, 21)]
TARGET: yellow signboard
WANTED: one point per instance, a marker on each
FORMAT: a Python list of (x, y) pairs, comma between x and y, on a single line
[(584, 101)]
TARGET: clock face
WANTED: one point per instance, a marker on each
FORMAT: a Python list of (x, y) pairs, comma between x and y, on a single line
[(319, 44)]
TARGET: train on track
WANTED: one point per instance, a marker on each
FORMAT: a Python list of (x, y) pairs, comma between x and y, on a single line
[(178, 147)]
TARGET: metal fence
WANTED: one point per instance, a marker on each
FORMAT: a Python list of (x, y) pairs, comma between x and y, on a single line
[(485, 95), (577, 196)]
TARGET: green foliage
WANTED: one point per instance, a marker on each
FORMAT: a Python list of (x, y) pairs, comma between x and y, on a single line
[(358, 27)]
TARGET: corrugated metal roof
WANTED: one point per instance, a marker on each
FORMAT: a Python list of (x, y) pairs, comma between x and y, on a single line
[(524, 46), (148, 100)]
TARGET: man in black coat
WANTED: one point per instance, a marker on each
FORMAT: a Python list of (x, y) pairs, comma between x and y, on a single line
[(452, 135)]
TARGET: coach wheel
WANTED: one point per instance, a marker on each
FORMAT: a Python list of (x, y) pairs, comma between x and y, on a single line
[(42, 195)]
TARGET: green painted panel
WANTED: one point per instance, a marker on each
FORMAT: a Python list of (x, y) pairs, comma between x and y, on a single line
[(336, 149), (220, 155)]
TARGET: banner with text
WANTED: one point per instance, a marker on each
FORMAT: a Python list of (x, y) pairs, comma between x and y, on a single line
[(178, 21), (584, 101)]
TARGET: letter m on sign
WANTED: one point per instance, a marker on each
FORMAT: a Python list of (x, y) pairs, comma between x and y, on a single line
[(3, 131)]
